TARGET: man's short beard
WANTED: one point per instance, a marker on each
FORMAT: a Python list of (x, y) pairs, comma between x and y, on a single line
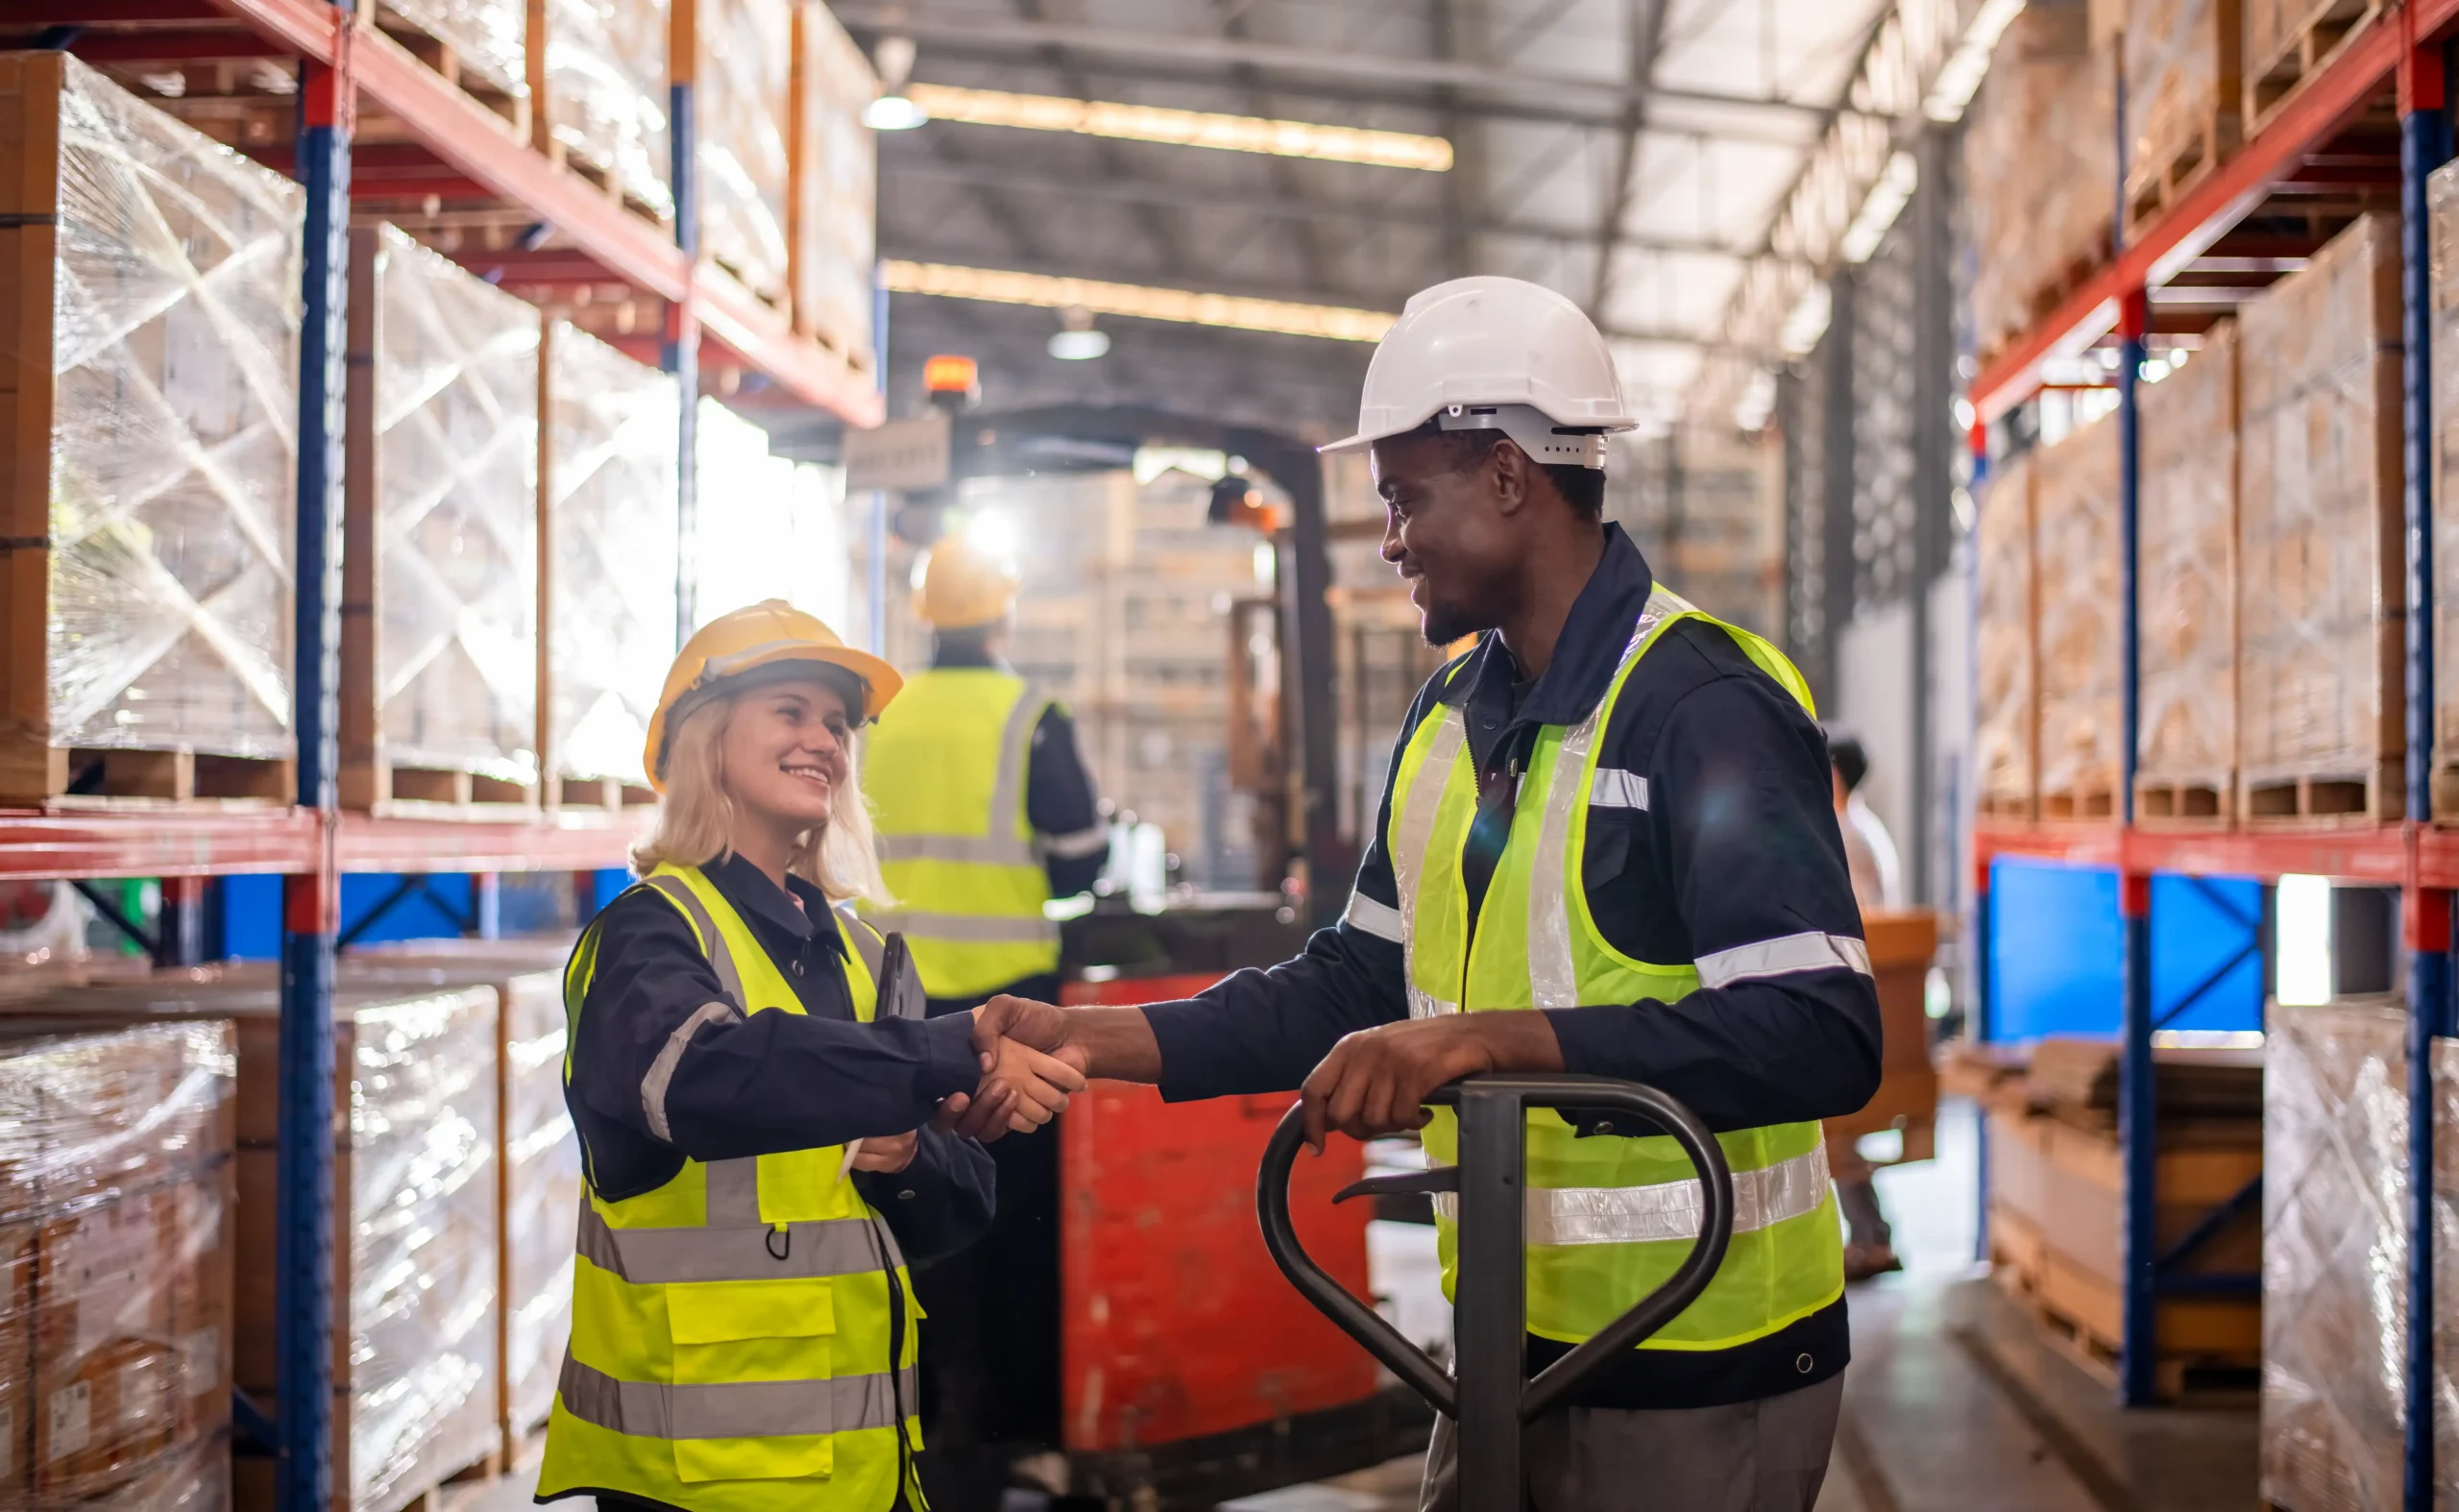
[(1442, 625)]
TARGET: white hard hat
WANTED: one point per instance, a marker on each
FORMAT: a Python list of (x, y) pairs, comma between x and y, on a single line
[(1495, 353)]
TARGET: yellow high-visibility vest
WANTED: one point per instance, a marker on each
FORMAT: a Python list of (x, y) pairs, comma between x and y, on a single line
[(731, 1329), (945, 773), (1609, 1218)]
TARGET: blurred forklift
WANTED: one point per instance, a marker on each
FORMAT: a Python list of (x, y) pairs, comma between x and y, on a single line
[(1122, 1338)]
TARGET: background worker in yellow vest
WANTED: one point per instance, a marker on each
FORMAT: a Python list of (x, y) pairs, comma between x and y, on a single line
[(984, 812), (1612, 813), (770, 1130)]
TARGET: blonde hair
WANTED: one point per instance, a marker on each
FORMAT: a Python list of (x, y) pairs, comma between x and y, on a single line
[(696, 819)]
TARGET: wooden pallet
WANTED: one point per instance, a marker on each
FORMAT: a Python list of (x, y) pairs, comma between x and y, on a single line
[(381, 787), (611, 794), (83, 778), (2271, 81), (510, 107), (2085, 803), (2319, 802), (2170, 174), (2009, 810), (2208, 1347), (604, 179), (2170, 804)]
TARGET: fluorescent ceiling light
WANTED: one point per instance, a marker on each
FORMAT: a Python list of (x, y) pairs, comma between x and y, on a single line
[(1808, 320), (1154, 123), (1187, 307), (893, 112), (1079, 346), (1886, 201), (1959, 78)]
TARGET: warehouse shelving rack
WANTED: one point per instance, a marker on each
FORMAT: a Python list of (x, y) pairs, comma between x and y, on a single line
[(2399, 52), (341, 60)]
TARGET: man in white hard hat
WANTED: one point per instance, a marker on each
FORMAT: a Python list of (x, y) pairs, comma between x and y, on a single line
[(1612, 811)]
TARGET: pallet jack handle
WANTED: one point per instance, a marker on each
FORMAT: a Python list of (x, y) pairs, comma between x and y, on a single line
[(1491, 1396)]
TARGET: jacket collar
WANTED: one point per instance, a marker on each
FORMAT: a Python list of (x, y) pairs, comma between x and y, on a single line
[(1586, 655), (757, 898)]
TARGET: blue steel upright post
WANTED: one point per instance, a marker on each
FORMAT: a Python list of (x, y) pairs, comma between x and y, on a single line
[(2138, 1119), (304, 1202), (681, 352), (2425, 145)]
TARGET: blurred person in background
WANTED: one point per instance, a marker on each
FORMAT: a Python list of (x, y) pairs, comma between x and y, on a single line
[(1877, 885)]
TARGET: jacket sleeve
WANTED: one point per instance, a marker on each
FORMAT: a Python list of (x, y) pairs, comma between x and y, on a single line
[(940, 1203), (662, 1050), (1264, 1031), (1785, 1025), (1062, 808)]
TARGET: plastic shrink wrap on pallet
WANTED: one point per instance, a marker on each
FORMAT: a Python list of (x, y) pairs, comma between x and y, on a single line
[(2186, 585), (456, 394), (840, 185), (2006, 737), (2044, 104), (2335, 1255), (2320, 556), (2183, 92), (606, 91), (2442, 197), (116, 1267), (543, 1191), (2075, 541), (174, 373), (611, 435), (489, 39), (747, 84)]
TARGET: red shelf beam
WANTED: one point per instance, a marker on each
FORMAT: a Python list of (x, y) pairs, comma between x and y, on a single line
[(172, 842), (2373, 854), (570, 845)]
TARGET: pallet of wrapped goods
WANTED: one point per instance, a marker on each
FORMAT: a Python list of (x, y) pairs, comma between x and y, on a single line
[(439, 695), (2442, 196), (2335, 1239), (2289, 41), (598, 95), (479, 46), (744, 99), (607, 515), (115, 1265), (2041, 228), (2186, 588), (2322, 582), (416, 1366), (2076, 567), (2183, 94), (832, 233), (148, 519), (2007, 734)]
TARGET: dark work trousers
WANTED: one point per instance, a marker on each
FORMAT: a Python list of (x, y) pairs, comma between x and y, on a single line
[(991, 1325), (1768, 1456)]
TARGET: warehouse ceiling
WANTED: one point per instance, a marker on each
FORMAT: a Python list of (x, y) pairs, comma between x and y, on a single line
[(1631, 154)]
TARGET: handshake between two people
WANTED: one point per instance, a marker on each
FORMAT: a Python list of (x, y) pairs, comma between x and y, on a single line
[(1022, 1087)]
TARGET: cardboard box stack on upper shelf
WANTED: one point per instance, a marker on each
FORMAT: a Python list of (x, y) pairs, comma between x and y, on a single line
[(835, 184), (746, 109), (480, 45), (2322, 704), (2007, 727), (599, 94), (2442, 292), (154, 315), (2038, 233), (439, 691), (2184, 92), (2076, 568), (2186, 589)]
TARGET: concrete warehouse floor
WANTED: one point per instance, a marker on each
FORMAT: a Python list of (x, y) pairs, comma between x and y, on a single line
[(1951, 1402)]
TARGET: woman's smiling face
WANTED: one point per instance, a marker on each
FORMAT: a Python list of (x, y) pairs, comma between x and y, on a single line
[(786, 750)]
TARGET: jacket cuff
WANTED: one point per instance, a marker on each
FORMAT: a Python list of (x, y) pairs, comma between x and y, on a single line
[(1599, 1040), (1187, 1031), (949, 1064)]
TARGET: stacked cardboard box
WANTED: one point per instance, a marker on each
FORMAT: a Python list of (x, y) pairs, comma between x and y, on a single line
[(2075, 545), (2186, 588), (746, 118), (2184, 89), (2322, 709), (836, 182), (115, 1265), (598, 84), (2007, 728), (2038, 232), (2443, 298)]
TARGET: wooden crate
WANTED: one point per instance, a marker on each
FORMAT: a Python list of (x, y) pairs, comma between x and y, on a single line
[(438, 579), (2075, 545), (2289, 41), (2322, 707), (2186, 587), (2007, 736), (597, 83), (2184, 90), (2041, 232), (607, 545), (146, 503)]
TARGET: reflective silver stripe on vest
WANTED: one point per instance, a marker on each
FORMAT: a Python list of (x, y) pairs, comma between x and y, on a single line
[(1784, 957), (677, 891), (660, 1256), (1379, 919), (734, 1409), (1000, 846), (1616, 789), (866, 943), (670, 1055), (734, 1192), (1413, 834), (1667, 1210), (972, 929), (1079, 845), (1554, 972)]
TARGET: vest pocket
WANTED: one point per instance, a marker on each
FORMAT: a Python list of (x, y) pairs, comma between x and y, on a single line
[(749, 1335), (737, 1312), (807, 1457)]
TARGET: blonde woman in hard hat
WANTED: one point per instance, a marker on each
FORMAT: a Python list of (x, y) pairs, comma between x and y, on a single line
[(986, 813), (770, 1129)]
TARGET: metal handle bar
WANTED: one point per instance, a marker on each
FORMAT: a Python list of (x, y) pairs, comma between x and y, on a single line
[(1418, 1369)]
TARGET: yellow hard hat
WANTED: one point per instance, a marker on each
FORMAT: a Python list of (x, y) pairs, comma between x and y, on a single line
[(964, 585), (722, 655)]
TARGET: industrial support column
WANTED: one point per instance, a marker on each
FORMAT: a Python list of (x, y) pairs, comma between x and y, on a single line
[(680, 353), (2425, 145), (311, 902), (2138, 1122), (1934, 443)]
